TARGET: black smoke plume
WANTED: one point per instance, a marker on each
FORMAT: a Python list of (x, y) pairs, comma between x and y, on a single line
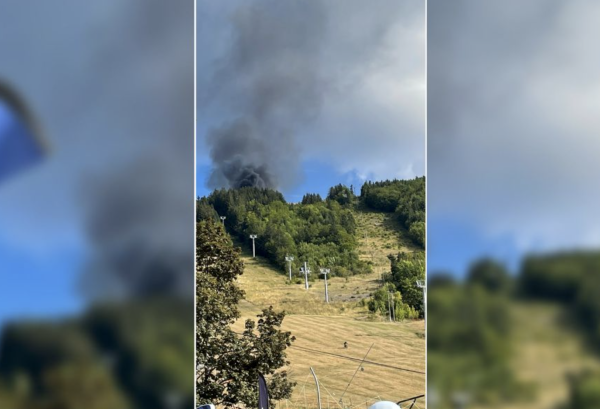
[(270, 84)]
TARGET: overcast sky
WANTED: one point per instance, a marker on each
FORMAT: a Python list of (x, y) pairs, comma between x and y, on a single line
[(513, 125), (356, 101)]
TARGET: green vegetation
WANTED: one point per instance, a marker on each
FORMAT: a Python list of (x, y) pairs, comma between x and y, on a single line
[(381, 300), (406, 198), (469, 347), (529, 340), (406, 269), (585, 390), (489, 274), (123, 356), (572, 279), (324, 232), (319, 232), (228, 364)]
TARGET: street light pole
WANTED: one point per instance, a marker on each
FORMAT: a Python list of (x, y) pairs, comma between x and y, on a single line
[(289, 259), (326, 271), (223, 220), (253, 236)]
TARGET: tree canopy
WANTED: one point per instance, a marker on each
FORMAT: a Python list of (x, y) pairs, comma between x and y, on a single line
[(320, 232), (228, 363)]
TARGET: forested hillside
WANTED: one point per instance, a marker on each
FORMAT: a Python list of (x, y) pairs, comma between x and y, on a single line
[(320, 232), (406, 198), (530, 340)]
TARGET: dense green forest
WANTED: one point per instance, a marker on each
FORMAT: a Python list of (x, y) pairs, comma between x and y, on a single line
[(319, 231)]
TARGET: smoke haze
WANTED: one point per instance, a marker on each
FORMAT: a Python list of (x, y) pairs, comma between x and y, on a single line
[(280, 66), (113, 90)]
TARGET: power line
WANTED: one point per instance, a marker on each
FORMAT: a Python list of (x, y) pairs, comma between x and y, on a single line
[(355, 372), (357, 359), (350, 358)]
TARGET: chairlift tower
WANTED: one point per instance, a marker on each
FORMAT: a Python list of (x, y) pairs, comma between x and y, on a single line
[(422, 284), (289, 259), (306, 271), (326, 271), (253, 237)]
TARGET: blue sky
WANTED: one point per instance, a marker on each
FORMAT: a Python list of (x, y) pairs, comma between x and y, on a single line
[(140, 117), (35, 283), (453, 246), (38, 286)]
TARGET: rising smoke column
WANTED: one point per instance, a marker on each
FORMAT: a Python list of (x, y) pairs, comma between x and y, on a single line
[(270, 83), (335, 80)]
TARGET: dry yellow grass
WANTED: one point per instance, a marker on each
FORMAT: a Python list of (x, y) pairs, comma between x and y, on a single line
[(321, 329)]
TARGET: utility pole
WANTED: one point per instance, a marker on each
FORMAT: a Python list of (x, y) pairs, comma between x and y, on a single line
[(423, 285), (223, 219), (326, 271), (289, 259), (253, 237), (306, 271)]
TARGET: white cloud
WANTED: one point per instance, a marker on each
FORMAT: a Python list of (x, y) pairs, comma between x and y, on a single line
[(514, 130)]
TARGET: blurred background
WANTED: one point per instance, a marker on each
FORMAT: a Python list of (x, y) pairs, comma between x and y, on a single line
[(96, 204), (514, 237)]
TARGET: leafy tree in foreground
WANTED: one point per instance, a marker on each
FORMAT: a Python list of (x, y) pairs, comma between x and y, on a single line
[(227, 363)]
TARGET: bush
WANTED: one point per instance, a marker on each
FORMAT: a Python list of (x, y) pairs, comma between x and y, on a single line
[(380, 303)]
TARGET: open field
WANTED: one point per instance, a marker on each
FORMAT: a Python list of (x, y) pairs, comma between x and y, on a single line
[(379, 235), (394, 368)]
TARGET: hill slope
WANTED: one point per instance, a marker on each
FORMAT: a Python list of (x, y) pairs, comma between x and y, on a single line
[(396, 362), (547, 353)]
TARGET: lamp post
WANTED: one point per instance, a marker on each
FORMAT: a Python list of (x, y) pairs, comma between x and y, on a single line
[(253, 237), (326, 271), (289, 259), (223, 220)]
